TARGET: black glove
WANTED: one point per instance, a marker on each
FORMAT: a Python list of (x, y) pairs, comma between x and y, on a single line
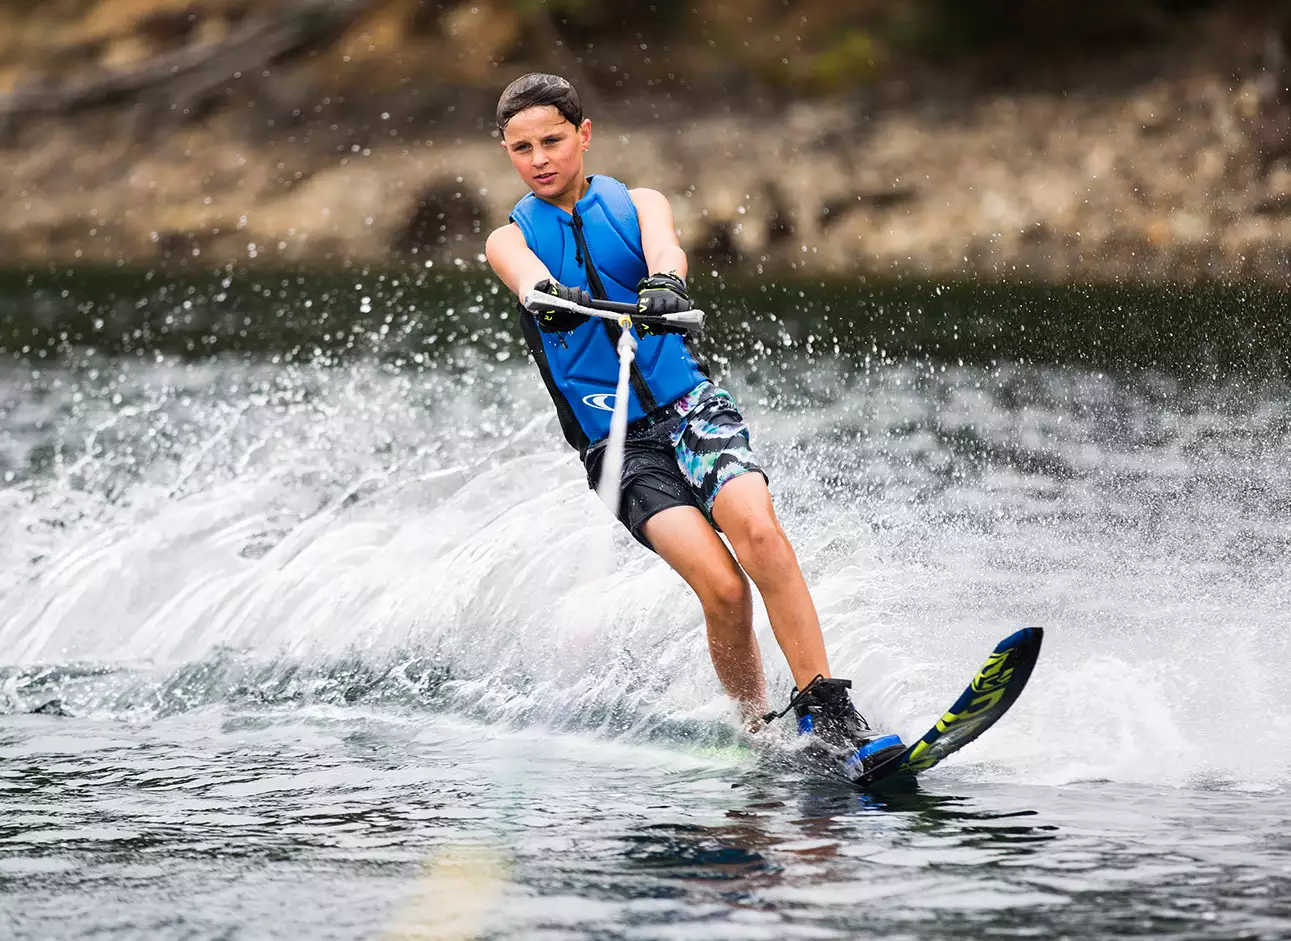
[(556, 320), (660, 294)]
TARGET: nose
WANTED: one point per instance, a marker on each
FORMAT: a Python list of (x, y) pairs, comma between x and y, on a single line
[(539, 157)]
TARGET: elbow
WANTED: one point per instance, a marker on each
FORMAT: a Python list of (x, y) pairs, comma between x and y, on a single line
[(492, 248), (670, 259), (676, 262)]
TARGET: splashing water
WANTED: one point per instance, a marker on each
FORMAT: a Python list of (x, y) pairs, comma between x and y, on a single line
[(206, 523)]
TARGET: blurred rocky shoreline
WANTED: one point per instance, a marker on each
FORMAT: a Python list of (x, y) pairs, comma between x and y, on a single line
[(202, 134)]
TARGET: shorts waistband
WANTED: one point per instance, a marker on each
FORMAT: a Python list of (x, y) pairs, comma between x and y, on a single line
[(645, 422), (678, 406)]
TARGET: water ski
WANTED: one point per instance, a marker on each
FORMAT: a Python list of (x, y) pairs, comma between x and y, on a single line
[(993, 690)]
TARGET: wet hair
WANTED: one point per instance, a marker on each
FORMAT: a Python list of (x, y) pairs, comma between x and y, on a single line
[(536, 90)]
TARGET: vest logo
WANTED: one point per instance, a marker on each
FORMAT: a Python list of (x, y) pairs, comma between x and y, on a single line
[(602, 400)]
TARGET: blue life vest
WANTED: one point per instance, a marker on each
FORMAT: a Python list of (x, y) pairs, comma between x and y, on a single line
[(598, 248)]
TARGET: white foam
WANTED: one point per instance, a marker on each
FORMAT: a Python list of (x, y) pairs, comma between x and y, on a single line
[(360, 510)]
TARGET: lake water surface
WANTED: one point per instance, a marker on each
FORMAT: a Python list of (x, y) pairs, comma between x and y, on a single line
[(309, 626)]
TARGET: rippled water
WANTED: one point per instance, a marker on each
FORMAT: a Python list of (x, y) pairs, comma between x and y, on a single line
[(338, 644), (344, 823)]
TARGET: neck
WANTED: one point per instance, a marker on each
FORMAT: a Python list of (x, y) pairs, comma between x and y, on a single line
[(568, 200)]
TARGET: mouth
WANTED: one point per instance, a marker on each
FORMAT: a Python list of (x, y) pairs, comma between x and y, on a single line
[(545, 177)]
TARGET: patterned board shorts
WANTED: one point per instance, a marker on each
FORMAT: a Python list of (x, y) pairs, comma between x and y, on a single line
[(680, 458)]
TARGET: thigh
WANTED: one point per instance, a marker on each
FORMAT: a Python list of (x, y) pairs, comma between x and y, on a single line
[(649, 492), (744, 512), (687, 541), (650, 483), (743, 509)]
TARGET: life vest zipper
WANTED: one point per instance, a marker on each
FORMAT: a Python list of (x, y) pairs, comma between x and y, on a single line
[(583, 255)]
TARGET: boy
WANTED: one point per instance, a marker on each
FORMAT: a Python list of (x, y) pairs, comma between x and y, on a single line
[(688, 470)]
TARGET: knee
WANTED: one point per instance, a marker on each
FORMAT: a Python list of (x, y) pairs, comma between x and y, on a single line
[(727, 593), (761, 545)]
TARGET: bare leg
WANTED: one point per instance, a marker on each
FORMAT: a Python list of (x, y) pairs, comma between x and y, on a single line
[(743, 510), (687, 542)]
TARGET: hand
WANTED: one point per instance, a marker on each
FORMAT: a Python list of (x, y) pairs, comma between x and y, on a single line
[(660, 294), (556, 320)]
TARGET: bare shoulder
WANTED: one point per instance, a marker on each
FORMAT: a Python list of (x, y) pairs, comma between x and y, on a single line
[(648, 199), (653, 209), (504, 238), (506, 233)]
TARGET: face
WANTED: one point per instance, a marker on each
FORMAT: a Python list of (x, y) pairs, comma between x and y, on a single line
[(547, 151)]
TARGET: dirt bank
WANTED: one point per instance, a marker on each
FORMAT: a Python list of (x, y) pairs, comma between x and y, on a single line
[(290, 136)]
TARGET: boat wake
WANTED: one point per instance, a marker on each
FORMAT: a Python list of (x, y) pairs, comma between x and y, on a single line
[(254, 537)]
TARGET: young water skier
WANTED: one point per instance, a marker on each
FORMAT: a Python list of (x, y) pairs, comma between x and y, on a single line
[(688, 469)]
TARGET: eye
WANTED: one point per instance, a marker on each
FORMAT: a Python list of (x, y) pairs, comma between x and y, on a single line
[(549, 141)]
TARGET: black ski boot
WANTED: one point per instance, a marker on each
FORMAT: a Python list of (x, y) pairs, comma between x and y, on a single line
[(825, 711)]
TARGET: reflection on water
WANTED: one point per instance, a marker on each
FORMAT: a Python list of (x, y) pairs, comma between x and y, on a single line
[(685, 851), (940, 865), (825, 822)]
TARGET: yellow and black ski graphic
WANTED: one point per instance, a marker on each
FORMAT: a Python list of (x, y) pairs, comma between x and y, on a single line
[(993, 690)]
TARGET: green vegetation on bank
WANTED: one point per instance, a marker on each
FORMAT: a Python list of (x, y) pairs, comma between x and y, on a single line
[(821, 45), (777, 47)]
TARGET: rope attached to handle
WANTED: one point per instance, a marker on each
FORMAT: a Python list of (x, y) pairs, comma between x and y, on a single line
[(609, 486)]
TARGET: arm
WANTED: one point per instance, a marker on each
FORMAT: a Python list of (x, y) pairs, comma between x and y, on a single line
[(663, 289), (524, 273), (658, 232), (513, 261)]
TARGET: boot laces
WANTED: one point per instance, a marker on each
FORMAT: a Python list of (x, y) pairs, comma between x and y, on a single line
[(800, 695), (796, 698)]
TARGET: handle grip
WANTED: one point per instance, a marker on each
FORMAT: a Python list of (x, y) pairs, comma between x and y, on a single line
[(535, 302)]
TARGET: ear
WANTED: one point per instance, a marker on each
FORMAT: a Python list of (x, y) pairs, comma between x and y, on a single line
[(585, 132)]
